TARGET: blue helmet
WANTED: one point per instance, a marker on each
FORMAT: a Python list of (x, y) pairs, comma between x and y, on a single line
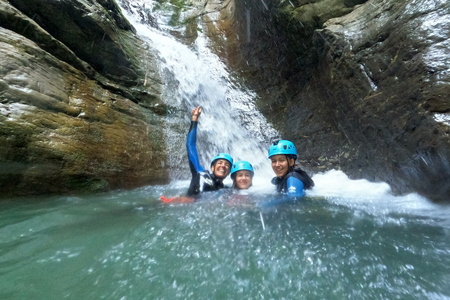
[(225, 156), (283, 147), (240, 166)]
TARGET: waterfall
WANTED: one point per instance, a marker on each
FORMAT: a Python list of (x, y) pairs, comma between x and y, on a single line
[(195, 76), (230, 122)]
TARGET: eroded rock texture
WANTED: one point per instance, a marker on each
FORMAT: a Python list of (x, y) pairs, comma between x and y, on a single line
[(361, 86), (358, 85), (79, 100)]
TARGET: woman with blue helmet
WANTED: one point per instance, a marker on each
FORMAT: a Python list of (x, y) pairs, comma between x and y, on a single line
[(202, 180), (205, 180), (290, 180), (242, 175)]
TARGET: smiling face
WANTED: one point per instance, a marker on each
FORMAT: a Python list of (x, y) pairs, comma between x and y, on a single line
[(242, 180), (281, 164), (221, 168)]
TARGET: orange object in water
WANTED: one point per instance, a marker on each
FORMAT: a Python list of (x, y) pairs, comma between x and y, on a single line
[(177, 199)]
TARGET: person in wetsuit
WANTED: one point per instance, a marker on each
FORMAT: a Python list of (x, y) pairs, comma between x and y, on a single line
[(290, 179), (205, 180), (242, 175), (202, 180)]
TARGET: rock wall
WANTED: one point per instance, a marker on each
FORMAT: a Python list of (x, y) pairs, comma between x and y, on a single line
[(79, 100), (358, 85), (361, 86)]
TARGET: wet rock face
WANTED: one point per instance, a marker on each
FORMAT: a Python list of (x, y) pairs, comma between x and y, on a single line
[(89, 30), (387, 64), (76, 112), (362, 86)]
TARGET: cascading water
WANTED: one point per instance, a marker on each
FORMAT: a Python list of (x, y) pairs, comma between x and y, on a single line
[(194, 76), (349, 239)]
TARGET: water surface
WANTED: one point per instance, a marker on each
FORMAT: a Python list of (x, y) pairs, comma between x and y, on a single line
[(128, 245)]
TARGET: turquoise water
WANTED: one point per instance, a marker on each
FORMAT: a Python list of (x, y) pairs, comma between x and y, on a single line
[(128, 245)]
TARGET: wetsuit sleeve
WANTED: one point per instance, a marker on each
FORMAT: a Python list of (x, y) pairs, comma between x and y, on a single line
[(294, 187), (194, 162)]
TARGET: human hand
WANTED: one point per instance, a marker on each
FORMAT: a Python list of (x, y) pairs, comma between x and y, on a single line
[(196, 113)]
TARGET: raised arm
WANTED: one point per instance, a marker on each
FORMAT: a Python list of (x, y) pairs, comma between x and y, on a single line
[(191, 141)]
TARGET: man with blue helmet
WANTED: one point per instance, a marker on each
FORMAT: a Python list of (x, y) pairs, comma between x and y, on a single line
[(290, 180), (205, 180)]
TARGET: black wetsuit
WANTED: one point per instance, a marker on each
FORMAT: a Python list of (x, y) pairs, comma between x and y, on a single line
[(202, 180)]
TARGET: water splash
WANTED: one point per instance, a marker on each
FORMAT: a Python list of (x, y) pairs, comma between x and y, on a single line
[(230, 122), (195, 76)]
